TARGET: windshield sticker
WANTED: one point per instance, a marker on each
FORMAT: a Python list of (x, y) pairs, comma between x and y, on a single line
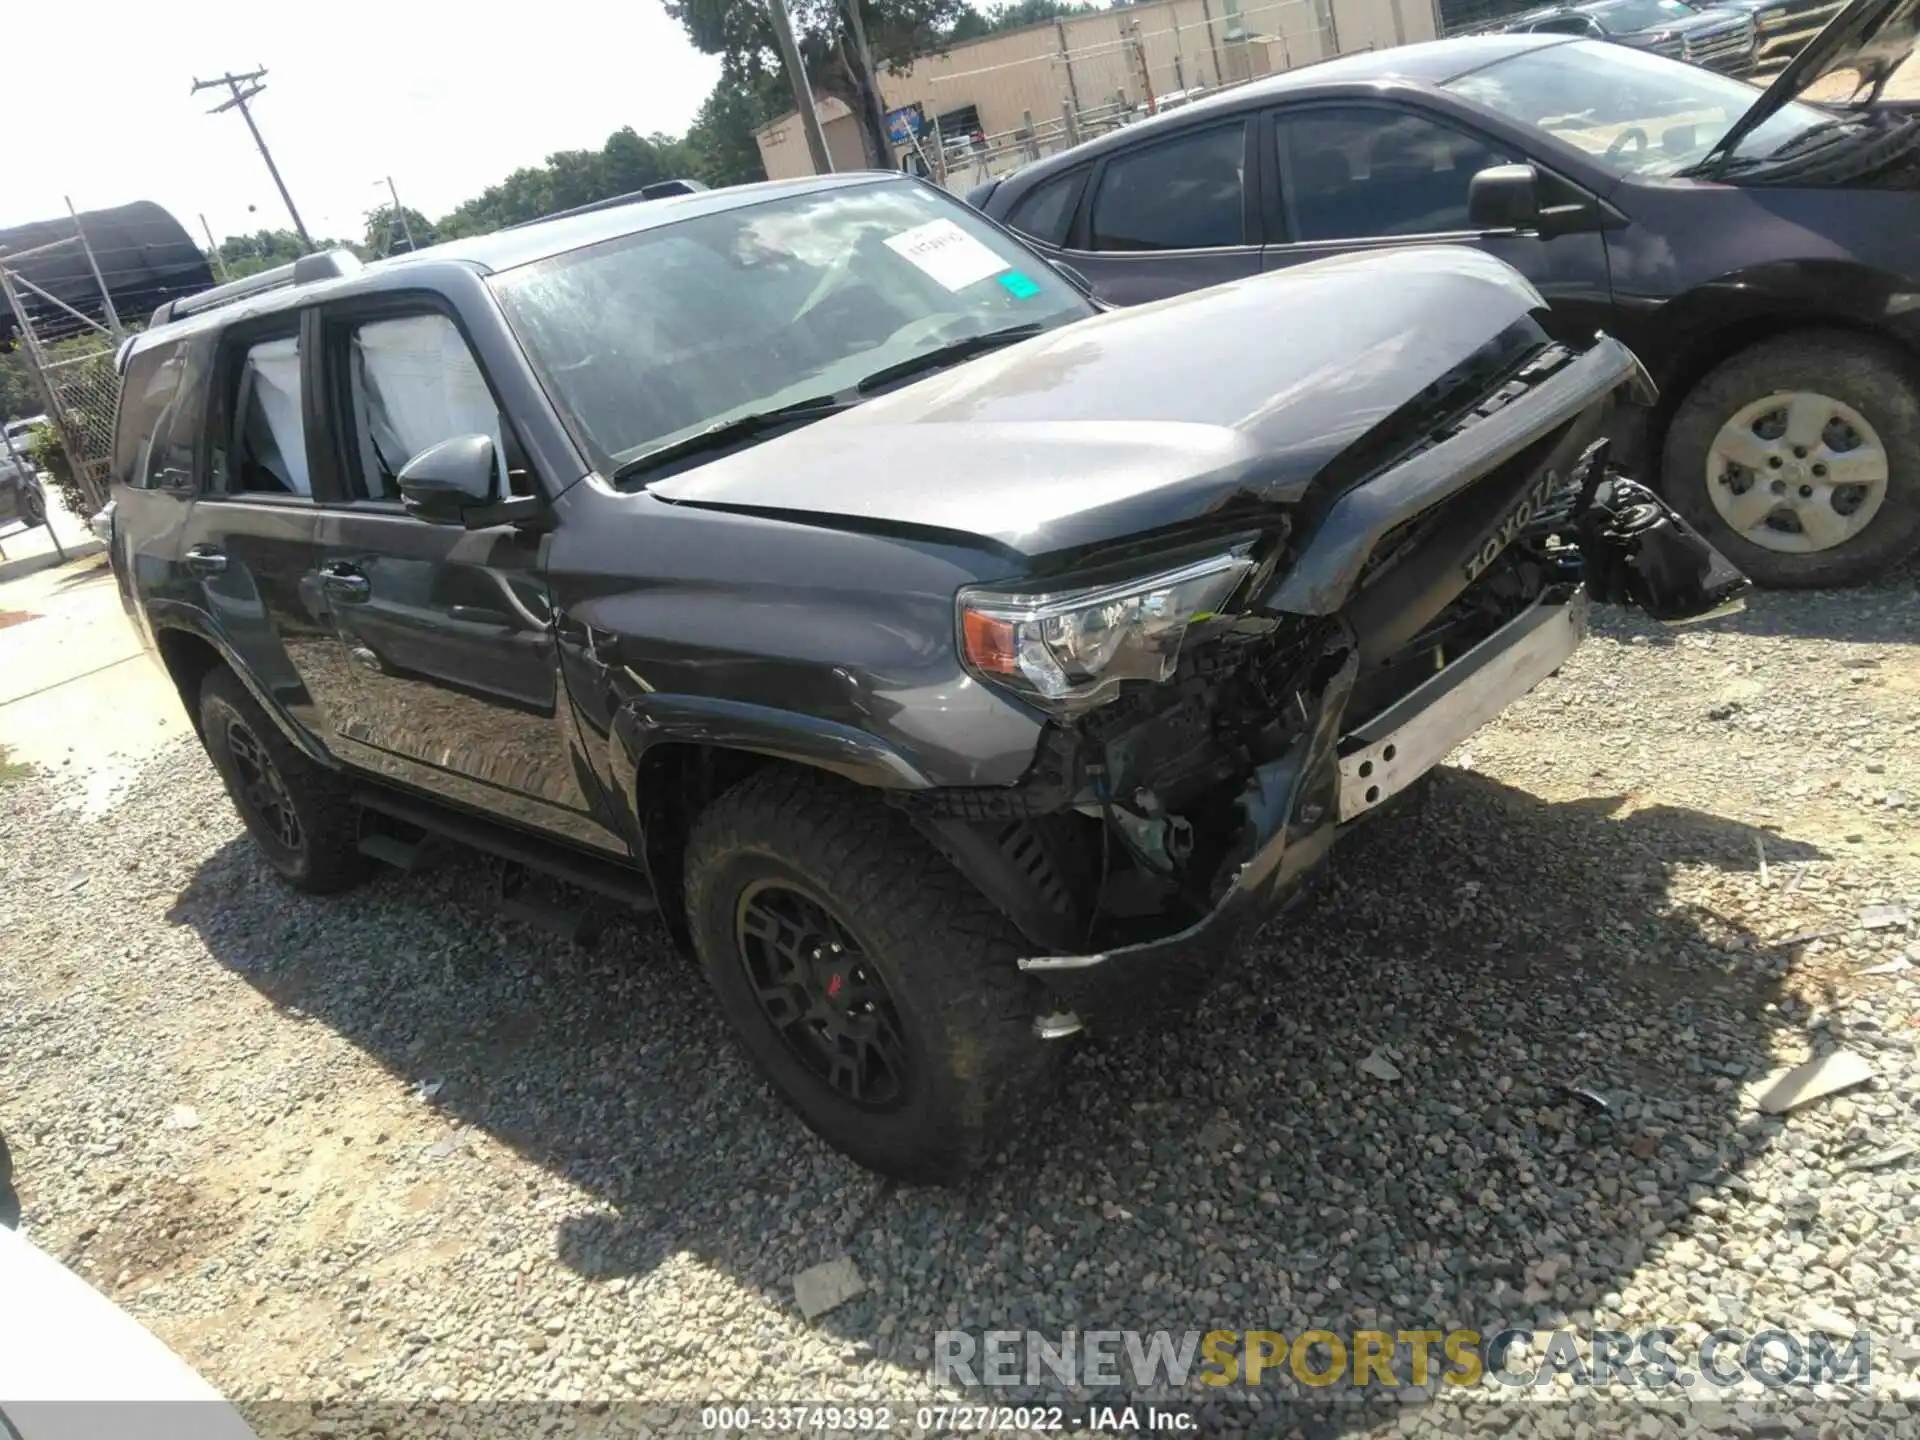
[(1019, 285), (948, 254)]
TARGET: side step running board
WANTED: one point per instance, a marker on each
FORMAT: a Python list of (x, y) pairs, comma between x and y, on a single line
[(575, 867)]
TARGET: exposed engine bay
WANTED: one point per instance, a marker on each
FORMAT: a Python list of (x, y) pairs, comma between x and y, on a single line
[(1140, 819)]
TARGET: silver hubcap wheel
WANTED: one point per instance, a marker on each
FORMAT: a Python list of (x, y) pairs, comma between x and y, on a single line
[(1797, 471)]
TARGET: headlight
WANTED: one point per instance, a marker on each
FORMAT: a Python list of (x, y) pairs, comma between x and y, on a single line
[(1070, 650)]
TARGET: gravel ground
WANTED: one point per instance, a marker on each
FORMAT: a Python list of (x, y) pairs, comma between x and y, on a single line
[(388, 1147)]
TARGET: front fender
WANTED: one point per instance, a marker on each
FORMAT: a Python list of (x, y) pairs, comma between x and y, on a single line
[(645, 721)]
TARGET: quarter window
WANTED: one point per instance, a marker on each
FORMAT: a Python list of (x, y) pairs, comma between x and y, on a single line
[(1183, 194), (1045, 213), (1354, 173)]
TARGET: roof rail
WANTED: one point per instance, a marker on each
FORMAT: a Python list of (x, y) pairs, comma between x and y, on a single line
[(321, 265), (658, 190)]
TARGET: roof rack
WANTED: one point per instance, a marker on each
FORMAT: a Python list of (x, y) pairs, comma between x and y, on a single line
[(321, 265), (658, 190)]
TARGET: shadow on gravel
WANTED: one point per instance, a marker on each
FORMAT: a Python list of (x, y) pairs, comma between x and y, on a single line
[(1233, 1170), (1886, 612)]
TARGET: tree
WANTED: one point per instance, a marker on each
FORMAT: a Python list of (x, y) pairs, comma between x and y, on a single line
[(720, 145), (897, 30), (386, 235), (1013, 16)]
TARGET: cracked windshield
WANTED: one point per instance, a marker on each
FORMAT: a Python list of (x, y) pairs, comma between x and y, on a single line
[(651, 338)]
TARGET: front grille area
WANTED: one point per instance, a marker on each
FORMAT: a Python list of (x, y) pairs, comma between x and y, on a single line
[(1719, 49), (1674, 49)]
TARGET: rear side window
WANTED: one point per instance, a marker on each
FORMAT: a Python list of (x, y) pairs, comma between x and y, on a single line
[(1187, 193), (1045, 212), (267, 453), (148, 392)]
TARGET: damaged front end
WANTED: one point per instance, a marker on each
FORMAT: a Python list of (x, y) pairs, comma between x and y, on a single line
[(1217, 723)]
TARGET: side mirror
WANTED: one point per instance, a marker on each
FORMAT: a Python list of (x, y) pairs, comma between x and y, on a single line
[(1504, 197), (443, 482)]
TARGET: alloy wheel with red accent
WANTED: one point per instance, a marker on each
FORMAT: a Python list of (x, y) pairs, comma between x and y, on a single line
[(815, 988)]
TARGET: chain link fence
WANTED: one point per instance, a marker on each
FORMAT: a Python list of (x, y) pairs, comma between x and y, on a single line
[(86, 391)]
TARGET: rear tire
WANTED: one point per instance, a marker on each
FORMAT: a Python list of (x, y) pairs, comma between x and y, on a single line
[(33, 503), (804, 894), (1870, 379), (300, 814)]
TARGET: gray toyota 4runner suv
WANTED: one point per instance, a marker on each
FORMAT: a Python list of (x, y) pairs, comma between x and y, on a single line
[(955, 667)]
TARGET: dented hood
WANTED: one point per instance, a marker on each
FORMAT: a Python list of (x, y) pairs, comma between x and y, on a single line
[(1141, 418), (1848, 63)]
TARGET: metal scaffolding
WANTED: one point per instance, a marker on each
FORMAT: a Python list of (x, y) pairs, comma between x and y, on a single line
[(80, 386)]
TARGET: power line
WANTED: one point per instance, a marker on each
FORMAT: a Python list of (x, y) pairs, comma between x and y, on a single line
[(253, 81)]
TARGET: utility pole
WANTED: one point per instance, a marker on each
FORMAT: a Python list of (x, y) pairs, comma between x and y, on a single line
[(869, 81), (253, 80), (802, 89), (400, 210), (219, 265)]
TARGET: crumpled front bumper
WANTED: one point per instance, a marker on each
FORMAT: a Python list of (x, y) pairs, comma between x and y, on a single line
[(1297, 805)]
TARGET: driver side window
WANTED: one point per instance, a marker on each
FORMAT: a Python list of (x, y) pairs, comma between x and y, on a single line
[(1352, 173), (410, 383)]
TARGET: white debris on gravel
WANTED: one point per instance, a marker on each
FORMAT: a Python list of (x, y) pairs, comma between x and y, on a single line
[(826, 1286), (627, 1207), (1795, 1085)]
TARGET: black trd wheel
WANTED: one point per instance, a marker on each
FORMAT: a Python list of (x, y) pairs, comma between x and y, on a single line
[(1800, 459), (299, 813), (873, 986)]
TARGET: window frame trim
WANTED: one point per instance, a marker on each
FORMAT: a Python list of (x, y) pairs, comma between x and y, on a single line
[(1080, 235)]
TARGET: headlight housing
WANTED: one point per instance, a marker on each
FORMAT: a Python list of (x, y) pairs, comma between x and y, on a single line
[(1070, 650)]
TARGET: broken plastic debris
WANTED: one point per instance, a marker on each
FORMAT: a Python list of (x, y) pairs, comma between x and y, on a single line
[(427, 1089), (183, 1117), (1378, 1066), (1883, 917), (1796, 1085), (823, 1287), (1899, 965), (1881, 1159), (1593, 1099)]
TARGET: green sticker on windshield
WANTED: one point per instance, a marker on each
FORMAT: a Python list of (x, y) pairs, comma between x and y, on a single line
[(1021, 287)]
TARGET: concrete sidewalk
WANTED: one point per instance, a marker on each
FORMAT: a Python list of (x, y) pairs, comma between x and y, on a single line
[(78, 694)]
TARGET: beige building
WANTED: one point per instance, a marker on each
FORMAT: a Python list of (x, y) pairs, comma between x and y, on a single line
[(1098, 66)]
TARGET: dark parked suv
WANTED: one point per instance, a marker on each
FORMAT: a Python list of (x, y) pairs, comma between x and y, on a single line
[(954, 666)]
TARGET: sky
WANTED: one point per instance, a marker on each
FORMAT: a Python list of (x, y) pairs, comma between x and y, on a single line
[(444, 98)]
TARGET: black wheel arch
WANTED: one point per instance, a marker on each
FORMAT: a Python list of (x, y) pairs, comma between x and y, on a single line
[(189, 653), (1708, 326)]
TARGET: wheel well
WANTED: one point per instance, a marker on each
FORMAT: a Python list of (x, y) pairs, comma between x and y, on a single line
[(188, 659), (1714, 347), (675, 782)]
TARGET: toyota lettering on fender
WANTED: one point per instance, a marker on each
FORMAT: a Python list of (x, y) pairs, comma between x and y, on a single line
[(1532, 505)]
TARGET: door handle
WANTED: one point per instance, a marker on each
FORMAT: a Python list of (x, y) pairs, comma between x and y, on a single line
[(481, 615), (342, 582), (206, 561)]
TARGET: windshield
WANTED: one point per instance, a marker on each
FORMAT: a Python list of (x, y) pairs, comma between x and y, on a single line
[(650, 338), (1629, 15), (1639, 113)]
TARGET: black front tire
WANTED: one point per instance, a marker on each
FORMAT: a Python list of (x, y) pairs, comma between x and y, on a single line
[(33, 503), (299, 813), (943, 958), (1873, 379)]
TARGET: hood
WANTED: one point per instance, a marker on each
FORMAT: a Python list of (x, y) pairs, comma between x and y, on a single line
[(1141, 418), (1860, 47), (1700, 20)]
